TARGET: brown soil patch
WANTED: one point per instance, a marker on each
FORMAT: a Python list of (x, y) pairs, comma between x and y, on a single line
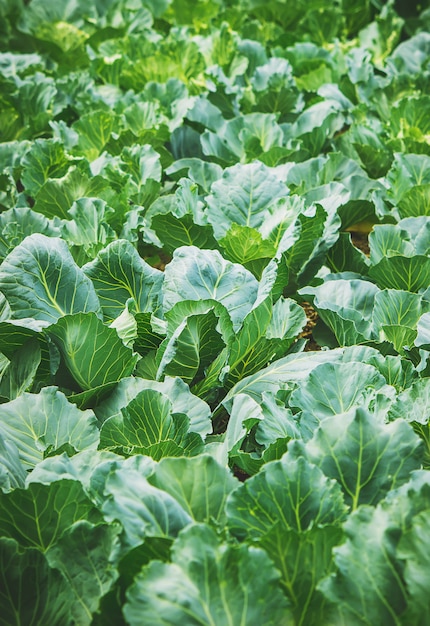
[(361, 241), (312, 317)]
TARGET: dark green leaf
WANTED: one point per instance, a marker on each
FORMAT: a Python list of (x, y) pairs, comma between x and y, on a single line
[(207, 583), (31, 592)]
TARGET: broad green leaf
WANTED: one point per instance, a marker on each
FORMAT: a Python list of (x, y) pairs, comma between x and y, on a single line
[(245, 413), (282, 214), (31, 592), (345, 257), (387, 240), (274, 88), (346, 306), (368, 458), (40, 280), (399, 272), (292, 487), (57, 195), (204, 173), (410, 56), (36, 103), (79, 467), (321, 170), (305, 243), (43, 422), (371, 150), (304, 559), (93, 353), (192, 346), (278, 421), (370, 559), (243, 196), (88, 226), (126, 325), (243, 244), (195, 274), (45, 159), (292, 510), (197, 15), (382, 35), (199, 484), (21, 371), (94, 130), (394, 307), (249, 337), (267, 333), (178, 392), (366, 562), (147, 423), (16, 224), (417, 567), (184, 203), (423, 329), (85, 555), (397, 371), (316, 124), (407, 171), (208, 582), (13, 63), (39, 515), (415, 201), (132, 563), (174, 232), (148, 336), (334, 388), (12, 472), (395, 317), (185, 308), (416, 396), (142, 164), (119, 273), (60, 25), (418, 229), (143, 510), (281, 374), (224, 141), (84, 399)]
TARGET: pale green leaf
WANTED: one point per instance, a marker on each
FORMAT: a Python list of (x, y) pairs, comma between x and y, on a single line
[(119, 273), (38, 423), (178, 392), (333, 388), (92, 352), (243, 196), (40, 280), (195, 274), (199, 484), (12, 472), (143, 510), (147, 423)]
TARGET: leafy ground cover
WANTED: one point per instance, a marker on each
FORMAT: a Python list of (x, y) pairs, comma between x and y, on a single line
[(187, 191)]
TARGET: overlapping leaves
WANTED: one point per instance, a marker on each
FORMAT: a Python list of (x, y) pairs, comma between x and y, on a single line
[(176, 179)]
